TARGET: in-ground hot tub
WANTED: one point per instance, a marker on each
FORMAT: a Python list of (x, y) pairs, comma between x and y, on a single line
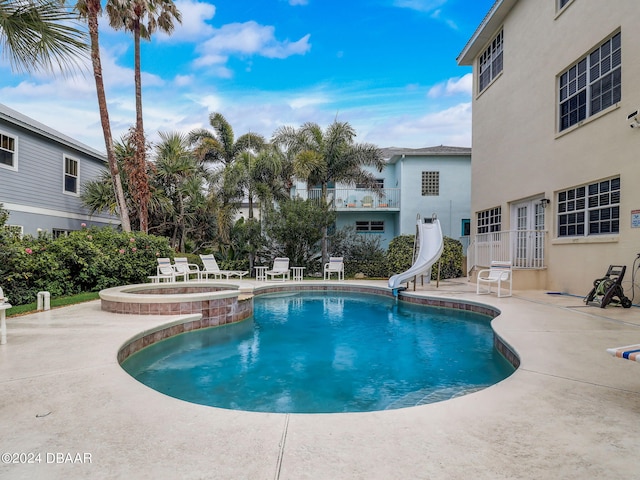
[(217, 303), (206, 304)]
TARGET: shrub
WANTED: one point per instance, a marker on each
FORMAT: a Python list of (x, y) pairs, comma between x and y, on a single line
[(84, 261), (362, 252), (400, 256)]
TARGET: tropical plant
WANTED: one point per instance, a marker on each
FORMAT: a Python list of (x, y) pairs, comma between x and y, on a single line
[(220, 147), (179, 178), (321, 157), (142, 18), (40, 35), (90, 10), (292, 231)]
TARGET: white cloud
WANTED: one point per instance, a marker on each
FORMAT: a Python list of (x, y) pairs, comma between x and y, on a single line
[(194, 26), (453, 86), (304, 101), (420, 5), (247, 39), (451, 126)]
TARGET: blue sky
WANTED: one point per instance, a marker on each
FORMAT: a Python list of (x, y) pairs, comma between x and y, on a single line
[(388, 67)]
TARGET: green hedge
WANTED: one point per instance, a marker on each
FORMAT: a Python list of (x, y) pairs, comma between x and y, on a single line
[(400, 256), (88, 260)]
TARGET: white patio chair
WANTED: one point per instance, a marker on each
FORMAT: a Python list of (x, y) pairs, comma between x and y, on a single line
[(280, 268), (498, 273), (335, 265), (182, 266), (211, 268), (165, 272)]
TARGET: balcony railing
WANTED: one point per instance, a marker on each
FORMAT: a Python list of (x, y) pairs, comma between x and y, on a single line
[(354, 198), (524, 248)]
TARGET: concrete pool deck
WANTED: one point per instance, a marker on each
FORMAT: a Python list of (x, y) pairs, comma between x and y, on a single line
[(570, 410)]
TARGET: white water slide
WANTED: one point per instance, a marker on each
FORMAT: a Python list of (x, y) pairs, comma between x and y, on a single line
[(431, 245)]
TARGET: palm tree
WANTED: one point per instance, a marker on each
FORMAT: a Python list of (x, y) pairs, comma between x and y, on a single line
[(320, 157), (221, 147), (180, 177), (142, 18), (91, 10), (40, 35)]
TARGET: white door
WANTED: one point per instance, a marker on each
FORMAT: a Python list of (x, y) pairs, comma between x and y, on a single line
[(528, 240)]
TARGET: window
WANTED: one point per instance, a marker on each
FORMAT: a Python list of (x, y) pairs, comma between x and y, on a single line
[(430, 184), (592, 84), (562, 3), (370, 226), (59, 232), (15, 230), (490, 220), (465, 231), (590, 209), (7, 150), (490, 62), (70, 175), (378, 182)]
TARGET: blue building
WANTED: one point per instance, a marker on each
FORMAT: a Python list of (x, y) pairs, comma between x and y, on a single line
[(420, 181), (41, 176)]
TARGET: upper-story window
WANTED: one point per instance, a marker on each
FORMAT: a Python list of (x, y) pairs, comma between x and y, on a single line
[(70, 175), (591, 209), (7, 151), (562, 3), (490, 220), (430, 184), (490, 62), (592, 84)]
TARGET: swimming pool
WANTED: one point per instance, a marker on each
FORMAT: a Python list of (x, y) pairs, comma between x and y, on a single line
[(321, 352)]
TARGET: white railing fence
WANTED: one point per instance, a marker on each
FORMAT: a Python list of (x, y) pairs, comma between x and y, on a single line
[(524, 248), (344, 198)]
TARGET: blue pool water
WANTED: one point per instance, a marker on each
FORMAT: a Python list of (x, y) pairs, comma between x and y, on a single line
[(316, 352)]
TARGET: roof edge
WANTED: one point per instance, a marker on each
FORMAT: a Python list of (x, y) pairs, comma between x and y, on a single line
[(485, 31), (28, 123)]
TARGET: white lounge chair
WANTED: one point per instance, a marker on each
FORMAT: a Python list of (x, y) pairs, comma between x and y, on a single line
[(280, 269), (630, 352), (182, 266), (165, 272), (498, 273), (335, 265), (211, 268)]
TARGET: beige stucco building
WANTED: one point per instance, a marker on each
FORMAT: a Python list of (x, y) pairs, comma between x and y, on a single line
[(555, 164)]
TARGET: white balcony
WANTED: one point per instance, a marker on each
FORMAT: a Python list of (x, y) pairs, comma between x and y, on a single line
[(357, 199)]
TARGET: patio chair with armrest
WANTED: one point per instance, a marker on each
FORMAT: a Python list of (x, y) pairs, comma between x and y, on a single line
[(182, 266), (165, 272), (335, 265), (280, 269), (497, 274), (211, 268)]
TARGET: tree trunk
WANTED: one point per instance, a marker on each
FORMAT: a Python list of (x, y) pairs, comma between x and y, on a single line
[(93, 8), (142, 181)]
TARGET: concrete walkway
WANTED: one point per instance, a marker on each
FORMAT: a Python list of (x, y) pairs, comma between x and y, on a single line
[(570, 410)]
